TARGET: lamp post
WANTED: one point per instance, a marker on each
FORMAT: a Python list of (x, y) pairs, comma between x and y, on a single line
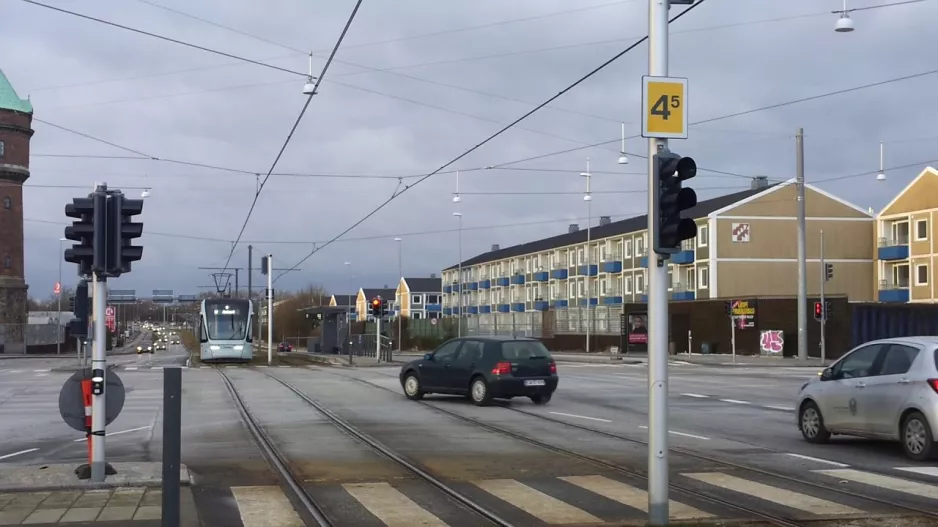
[(400, 300), (459, 275), (588, 198), (58, 313), (348, 313)]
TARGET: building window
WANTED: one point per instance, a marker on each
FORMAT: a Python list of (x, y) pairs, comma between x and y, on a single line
[(703, 236), (7, 203), (416, 315), (7, 261), (628, 286), (628, 249), (415, 299), (640, 283), (921, 230), (703, 278), (921, 274), (1, 149)]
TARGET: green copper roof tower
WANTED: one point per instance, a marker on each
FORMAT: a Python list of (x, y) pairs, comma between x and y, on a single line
[(9, 100)]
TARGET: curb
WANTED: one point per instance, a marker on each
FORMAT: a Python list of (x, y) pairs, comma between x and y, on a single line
[(185, 480)]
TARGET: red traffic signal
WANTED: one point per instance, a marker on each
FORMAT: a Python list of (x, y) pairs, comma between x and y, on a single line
[(818, 310)]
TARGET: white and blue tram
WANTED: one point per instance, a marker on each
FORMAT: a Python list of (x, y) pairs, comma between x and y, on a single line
[(225, 330)]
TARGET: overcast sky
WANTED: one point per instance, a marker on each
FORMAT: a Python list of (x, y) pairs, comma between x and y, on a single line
[(497, 58)]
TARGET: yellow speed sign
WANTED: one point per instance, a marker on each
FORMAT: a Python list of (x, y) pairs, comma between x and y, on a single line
[(664, 107)]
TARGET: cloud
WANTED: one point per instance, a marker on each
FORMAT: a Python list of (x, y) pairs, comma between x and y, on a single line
[(737, 55)]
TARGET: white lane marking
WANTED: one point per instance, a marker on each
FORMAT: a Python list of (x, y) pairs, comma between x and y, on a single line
[(121, 432), (131, 368), (41, 371), (534, 502), (886, 482), (14, 371), (926, 471), (787, 498), (630, 496), (18, 453), (643, 427), (818, 460), (265, 506), (697, 395), (735, 401), (156, 367), (42, 375), (390, 505), (582, 417), (785, 408)]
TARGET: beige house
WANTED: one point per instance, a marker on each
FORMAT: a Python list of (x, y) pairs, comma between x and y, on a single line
[(907, 251)]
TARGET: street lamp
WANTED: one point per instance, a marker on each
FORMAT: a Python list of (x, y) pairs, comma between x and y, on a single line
[(400, 299), (882, 174), (844, 23), (458, 215), (309, 88), (588, 198), (58, 314), (348, 314), (456, 198), (623, 160)]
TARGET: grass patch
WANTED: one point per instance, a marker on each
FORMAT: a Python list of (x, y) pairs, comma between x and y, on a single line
[(191, 343)]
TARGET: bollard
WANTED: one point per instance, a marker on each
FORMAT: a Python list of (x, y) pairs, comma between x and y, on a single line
[(172, 424)]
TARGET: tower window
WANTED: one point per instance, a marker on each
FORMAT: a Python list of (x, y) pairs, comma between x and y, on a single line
[(7, 203), (7, 262), (1, 149)]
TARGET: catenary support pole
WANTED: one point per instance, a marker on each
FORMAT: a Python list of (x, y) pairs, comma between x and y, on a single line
[(823, 303), (99, 363), (270, 310), (657, 297), (802, 266)]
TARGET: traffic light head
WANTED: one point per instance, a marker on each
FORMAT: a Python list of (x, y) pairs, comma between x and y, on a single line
[(120, 231), (671, 170), (84, 231), (264, 265), (828, 271), (818, 310), (376, 307)]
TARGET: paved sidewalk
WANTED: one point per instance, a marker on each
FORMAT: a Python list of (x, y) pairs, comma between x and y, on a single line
[(137, 506)]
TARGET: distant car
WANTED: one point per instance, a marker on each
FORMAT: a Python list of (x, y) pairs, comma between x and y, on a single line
[(144, 349), (484, 368), (161, 346), (285, 346), (884, 389)]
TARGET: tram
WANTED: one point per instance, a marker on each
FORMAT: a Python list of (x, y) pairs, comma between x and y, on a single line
[(225, 330)]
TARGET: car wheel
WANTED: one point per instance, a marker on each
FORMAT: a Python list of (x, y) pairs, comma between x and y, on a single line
[(541, 398), (917, 440), (412, 387), (811, 424), (479, 392)]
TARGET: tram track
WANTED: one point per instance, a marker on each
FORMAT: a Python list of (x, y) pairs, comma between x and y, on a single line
[(292, 481), (774, 519)]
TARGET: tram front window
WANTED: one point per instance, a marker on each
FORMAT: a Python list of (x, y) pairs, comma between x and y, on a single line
[(226, 322)]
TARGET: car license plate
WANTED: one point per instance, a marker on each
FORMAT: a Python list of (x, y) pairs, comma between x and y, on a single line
[(534, 383)]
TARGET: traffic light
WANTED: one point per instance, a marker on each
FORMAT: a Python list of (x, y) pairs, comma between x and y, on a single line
[(828, 272), (89, 252), (827, 310), (264, 265), (386, 308), (121, 230), (818, 311), (79, 304), (376, 307), (670, 228)]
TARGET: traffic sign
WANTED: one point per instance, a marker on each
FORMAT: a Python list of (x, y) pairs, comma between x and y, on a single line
[(664, 107), (109, 311), (58, 288), (72, 402)]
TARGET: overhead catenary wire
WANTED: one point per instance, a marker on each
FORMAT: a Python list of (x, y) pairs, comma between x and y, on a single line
[(296, 124), (167, 39), (491, 137)]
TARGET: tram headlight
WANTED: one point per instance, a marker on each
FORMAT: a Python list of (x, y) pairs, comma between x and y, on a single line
[(214, 348), (239, 348)]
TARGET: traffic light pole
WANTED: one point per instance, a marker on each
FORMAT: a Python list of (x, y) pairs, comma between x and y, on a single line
[(823, 303), (98, 367), (270, 310), (802, 252), (657, 295)]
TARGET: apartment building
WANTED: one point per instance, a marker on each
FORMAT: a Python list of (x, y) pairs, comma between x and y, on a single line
[(907, 251), (420, 298), (746, 246)]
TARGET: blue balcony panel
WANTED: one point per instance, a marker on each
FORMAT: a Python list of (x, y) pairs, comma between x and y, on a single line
[(485, 284), (433, 308), (503, 281), (447, 311), (560, 303), (473, 286), (504, 308), (593, 301), (612, 267), (582, 270), (485, 309), (894, 252), (517, 306), (559, 274), (643, 262), (894, 295), (541, 276), (541, 305), (612, 300), (456, 310), (447, 289), (643, 299), (473, 310), (517, 279), (683, 295), (683, 258)]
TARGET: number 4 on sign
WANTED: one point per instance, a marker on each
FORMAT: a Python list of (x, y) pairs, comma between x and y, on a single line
[(664, 107)]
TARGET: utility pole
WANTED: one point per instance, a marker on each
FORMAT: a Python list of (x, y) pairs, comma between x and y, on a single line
[(823, 303), (588, 198), (400, 309), (802, 265), (657, 295), (270, 309)]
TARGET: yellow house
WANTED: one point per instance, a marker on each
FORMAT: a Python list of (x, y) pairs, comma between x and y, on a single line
[(420, 298), (907, 251)]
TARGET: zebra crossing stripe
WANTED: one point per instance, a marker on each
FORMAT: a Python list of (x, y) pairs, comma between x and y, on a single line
[(914, 488), (631, 496), (534, 502), (390, 505), (787, 498)]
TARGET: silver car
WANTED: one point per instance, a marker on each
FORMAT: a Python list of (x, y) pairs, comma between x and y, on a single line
[(884, 389)]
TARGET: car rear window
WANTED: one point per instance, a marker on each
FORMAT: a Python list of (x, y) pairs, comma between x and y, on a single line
[(936, 359), (524, 349)]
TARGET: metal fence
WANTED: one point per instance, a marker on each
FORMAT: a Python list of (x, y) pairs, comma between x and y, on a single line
[(601, 320), (17, 338)]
